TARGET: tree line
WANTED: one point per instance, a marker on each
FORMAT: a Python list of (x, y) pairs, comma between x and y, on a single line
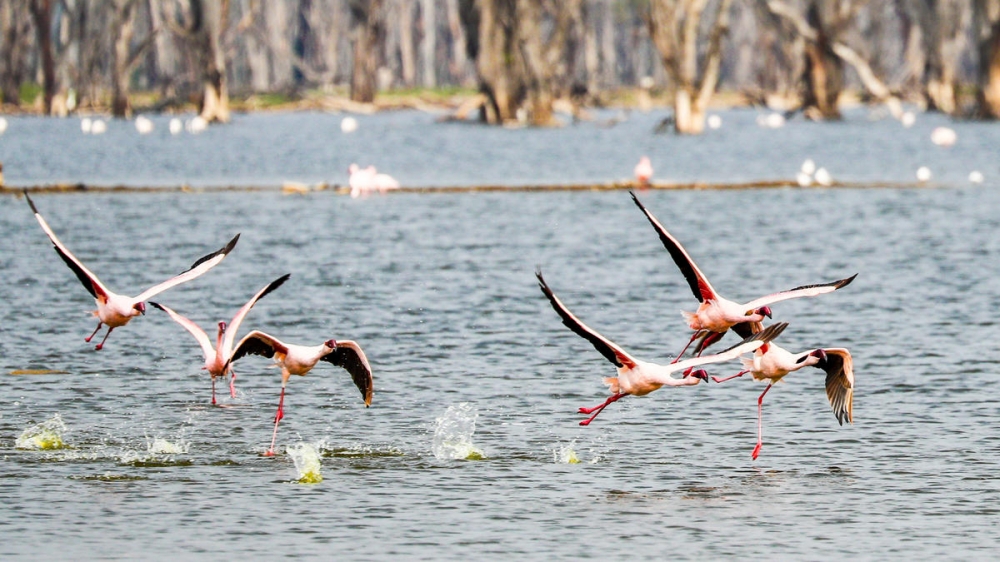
[(524, 57)]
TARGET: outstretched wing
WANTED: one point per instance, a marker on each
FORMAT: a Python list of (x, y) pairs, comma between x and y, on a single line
[(606, 347), (257, 343), (199, 267), (840, 383), (89, 280), (196, 331), (349, 356), (699, 284), (234, 326), (803, 291), (748, 345)]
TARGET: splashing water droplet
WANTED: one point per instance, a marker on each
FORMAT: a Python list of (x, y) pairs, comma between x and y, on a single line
[(453, 435), (44, 436), (159, 446), (566, 454), (306, 459)]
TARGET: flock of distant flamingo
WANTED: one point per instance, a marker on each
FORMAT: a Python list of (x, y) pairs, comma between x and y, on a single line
[(714, 317)]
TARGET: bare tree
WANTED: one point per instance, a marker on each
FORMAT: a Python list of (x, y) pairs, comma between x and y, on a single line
[(934, 39), (675, 27), (203, 26), (368, 33), (41, 13), (14, 44), (124, 56), (987, 33)]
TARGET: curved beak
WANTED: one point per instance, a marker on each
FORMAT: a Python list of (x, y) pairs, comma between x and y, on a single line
[(141, 307), (765, 311)]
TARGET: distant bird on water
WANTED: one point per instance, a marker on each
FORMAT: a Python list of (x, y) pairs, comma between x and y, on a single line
[(299, 360), (113, 309), (217, 358), (643, 172), (772, 363), (637, 377), (368, 180), (717, 315)]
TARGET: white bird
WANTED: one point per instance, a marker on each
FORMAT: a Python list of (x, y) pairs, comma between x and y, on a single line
[(348, 125), (772, 363), (196, 125), (176, 126), (716, 314), (217, 357), (714, 122), (803, 179), (3, 125), (976, 177), (637, 377), (643, 172), (86, 124), (943, 136), (923, 174), (143, 125), (113, 309), (823, 177), (908, 119), (808, 167), (299, 360), (99, 127)]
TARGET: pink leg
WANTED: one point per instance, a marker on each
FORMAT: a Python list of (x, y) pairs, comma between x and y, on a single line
[(760, 423), (101, 345), (598, 409), (91, 336), (213, 391), (694, 336), (232, 383), (739, 374), (277, 418)]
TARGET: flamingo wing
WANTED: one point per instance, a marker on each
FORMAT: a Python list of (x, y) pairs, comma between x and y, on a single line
[(803, 291), (86, 277), (702, 289), (751, 343), (234, 326), (350, 356), (197, 268), (840, 383), (196, 331), (606, 347), (257, 343)]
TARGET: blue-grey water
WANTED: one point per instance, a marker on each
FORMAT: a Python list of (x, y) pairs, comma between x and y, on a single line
[(440, 292)]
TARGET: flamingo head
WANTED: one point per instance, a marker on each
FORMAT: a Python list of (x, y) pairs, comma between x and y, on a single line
[(139, 307), (762, 311), (814, 357), (332, 344), (699, 374), (222, 328)]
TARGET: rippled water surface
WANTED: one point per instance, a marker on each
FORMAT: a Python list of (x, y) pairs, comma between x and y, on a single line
[(440, 292)]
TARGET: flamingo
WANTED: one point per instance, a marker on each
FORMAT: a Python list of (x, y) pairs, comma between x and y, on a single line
[(637, 377), (716, 314), (772, 363), (643, 171), (113, 309), (299, 360), (216, 358)]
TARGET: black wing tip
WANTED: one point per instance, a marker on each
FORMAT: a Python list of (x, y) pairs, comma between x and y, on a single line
[(770, 333), (232, 244), (275, 284), (156, 305), (30, 202), (845, 282)]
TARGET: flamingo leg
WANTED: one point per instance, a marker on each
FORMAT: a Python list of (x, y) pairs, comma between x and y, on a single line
[(760, 423), (101, 345), (277, 418), (739, 374), (232, 383), (213, 391), (694, 336), (97, 329), (597, 410)]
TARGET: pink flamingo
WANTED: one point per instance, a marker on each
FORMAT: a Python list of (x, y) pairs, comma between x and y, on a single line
[(643, 172), (217, 358), (772, 363), (716, 314), (366, 180), (636, 377), (299, 360), (113, 309)]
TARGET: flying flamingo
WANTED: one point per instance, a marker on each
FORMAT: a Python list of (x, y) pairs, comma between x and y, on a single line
[(772, 363), (637, 377), (113, 309), (716, 315), (299, 360), (643, 171), (217, 358)]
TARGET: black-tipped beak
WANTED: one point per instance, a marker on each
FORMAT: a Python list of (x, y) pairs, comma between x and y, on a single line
[(821, 355), (700, 374), (141, 307)]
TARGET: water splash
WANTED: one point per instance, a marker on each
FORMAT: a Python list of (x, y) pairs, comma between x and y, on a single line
[(160, 446), (306, 459), (453, 435), (566, 454), (45, 436)]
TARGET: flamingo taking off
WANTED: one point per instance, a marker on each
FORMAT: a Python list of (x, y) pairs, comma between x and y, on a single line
[(772, 363), (113, 309), (217, 358), (643, 172), (716, 314), (637, 377), (299, 360)]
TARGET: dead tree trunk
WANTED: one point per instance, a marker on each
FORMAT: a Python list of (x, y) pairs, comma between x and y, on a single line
[(41, 12), (369, 34), (824, 70), (987, 28), (16, 29), (124, 57), (674, 28), (934, 43), (429, 42), (209, 19), (498, 63)]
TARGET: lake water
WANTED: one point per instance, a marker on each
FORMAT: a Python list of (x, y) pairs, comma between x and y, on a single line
[(470, 360)]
